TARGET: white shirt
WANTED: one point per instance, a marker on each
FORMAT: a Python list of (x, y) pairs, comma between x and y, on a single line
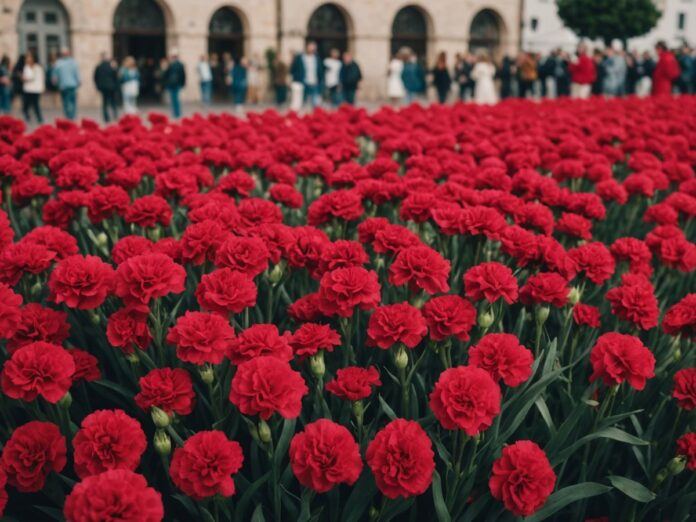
[(34, 79), (310, 67), (333, 71), (205, 74)]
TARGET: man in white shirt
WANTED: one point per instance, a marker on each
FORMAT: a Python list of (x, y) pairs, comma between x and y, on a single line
[(205, 76), (306, 69), (332, 76)]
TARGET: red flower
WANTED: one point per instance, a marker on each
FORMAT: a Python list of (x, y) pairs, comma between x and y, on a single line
[(86, 365), (170, 389), (354, 383), (127, 328), (490, 281), (634, 301), (465, 398), (312, 337), (422, 268), (449, 315), (201, 337), (204, 465), (587, 314), (397, 323), (38, 323), (575, 225), (200, 241), (247, 255), (401, 459), (130, 246), (341, 290), (10, 313), (266, 385), (149, 276), (545, 288), (226, 292), (340, 204), (503, 357), (149, 211), (595, 260), (104, 202), (257, 340), (616, 358), (38, 369), (681, 317), (117, 494), (522, 478), (324, 455), (686, 446), (33, 451), (81, 282), (108, 439), (685, 388), (3, 491)]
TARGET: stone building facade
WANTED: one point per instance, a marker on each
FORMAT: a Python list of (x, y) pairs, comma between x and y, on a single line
[(148, 29)]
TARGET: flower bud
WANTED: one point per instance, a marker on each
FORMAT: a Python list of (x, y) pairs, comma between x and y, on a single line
[(276, 273), (485, 319), (661, 476), (207, 374), (133, 358), (401, 358), (574, 296), (676, 465), (155, 233), (316, 364), (36, 289), (94, 317), (264, 432), (358, 409), (162, 442), (102, 240), (65, 401), (160, 417), (542, 314)]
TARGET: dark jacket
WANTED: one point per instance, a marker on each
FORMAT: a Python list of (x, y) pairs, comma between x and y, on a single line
[(105, 77), (297, 70), (239, 77), (413, 77), (441, 79), (350, 75), (175, 75)]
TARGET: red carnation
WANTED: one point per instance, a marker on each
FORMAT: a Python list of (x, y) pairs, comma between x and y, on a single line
[(86, 365), (117, 494), (10, 314), (149, 276), (226, 292), (38, 323), (341, 290), (258, 340), (685, 388), (449, 315), (595, 260), (38, 369), (324, 455), (108, 439), (491, 281), (33, 451), (503, 357), (354, 383), (465, 398), (545, 288), (247, 255), (522, 478), (422, 268), (312, 337), (81, 282), (616, 358), (204, 465), (587, 314), (401, 459), (680, 318), (634, 301), (127, 328), (201, 337), (397, 323), (169, 389), (266, 385), (149, 211), (686, 446)]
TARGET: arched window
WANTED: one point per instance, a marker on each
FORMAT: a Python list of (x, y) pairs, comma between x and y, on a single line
[(485, 32), (43, 28), (410, 29), (329, 29), (226, 33)]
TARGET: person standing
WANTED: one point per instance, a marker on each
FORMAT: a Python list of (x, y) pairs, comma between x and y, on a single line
[(130, 85), (400, 80), (687, 64), (545, 70), (646, 66), (561, 75), (240, 83), (5, 85), (17, 78), (441, 77), (307, 69), (34, 84), (507, 74), (582, 74), (461, 75), (280, 81), (332, 76), (66, 76), (205, 79), (527, 71), (666, 70), (350, 78), (253, 68), (483, 74), (614, 71), (412, 77), (106, 82), (174, 80)]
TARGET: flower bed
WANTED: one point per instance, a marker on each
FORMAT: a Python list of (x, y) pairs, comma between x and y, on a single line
[(445, 313)]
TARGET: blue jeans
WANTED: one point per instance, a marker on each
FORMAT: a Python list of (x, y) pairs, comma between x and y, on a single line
[(174, 101), (206, 91), (312, 94), (5, 99), (69, 98)]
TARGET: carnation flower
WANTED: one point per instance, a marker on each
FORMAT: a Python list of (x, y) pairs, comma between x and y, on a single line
[(353, 383), (341, 290), (149, 276), (226, 292), (545, 288), (449, 315), (257, 340), (201, 337), (686, 446), (616, 358), (169, 389), (397, 323), (491, 281), (10, 313), (81, 282), (503, 357), (685, 388), (422, 268), (310, 338)]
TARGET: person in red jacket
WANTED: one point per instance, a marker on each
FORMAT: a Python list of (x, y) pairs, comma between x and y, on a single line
[(666, 71), (582, 74)]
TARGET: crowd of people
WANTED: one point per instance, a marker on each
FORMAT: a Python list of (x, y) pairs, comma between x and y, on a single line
[(308, 80)]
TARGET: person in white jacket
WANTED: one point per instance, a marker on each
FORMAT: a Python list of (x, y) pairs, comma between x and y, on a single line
[(33, 85), (483, 74)]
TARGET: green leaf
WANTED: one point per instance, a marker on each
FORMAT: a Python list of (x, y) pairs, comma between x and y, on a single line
[(284, 441), (246, 498), (605, 433), (540, 403), (258, 514), (566, 496), (439, 500), (631, 488), (387, 409), (360, 498)]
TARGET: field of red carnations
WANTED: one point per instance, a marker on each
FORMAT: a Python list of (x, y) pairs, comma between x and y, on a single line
[(451, 313)]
